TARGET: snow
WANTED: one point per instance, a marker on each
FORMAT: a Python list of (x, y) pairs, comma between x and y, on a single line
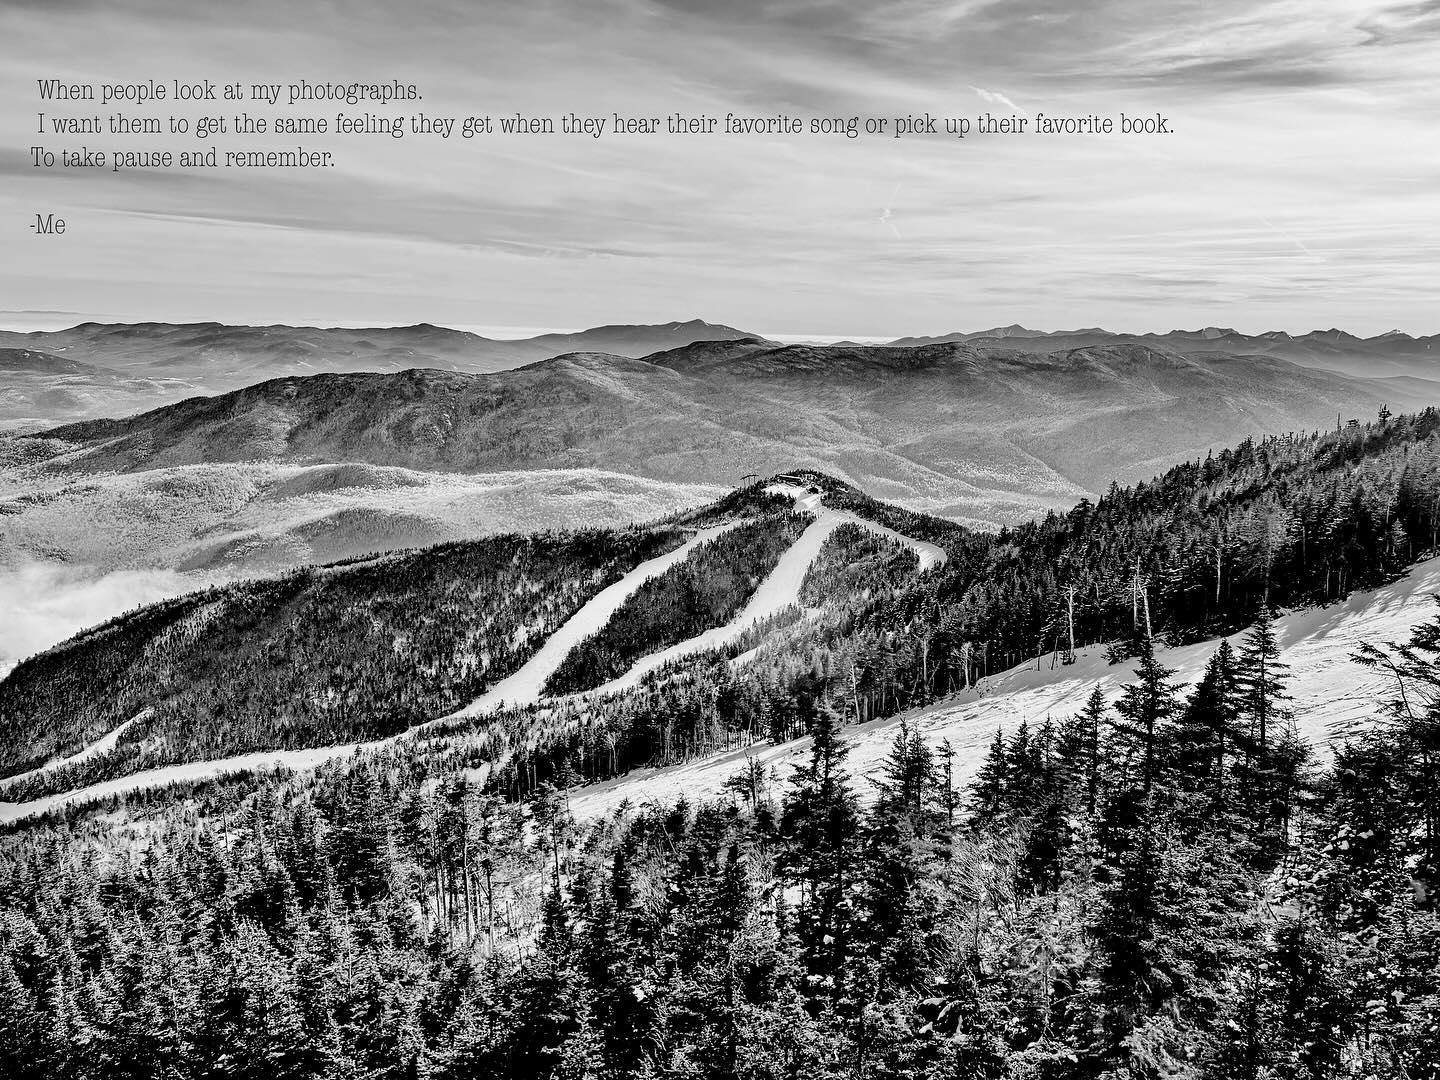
[(525, 685), (778, 591), (102, 745), (1332, 698), (930, 555), (183, 773)]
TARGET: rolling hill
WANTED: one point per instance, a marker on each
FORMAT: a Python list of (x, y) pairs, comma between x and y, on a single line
[(985, 435), (37, 385)]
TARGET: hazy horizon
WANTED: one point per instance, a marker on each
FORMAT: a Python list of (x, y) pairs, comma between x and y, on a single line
[(520, 333)]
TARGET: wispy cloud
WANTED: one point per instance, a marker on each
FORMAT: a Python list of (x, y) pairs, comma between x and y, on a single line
[(45, 603), (1403, 24), (992, 97), (1303, 154)]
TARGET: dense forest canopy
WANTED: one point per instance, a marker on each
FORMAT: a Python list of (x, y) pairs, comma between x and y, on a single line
[(1164, 885)]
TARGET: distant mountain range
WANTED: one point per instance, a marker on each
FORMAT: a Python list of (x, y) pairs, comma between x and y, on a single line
[(98, 369), (977, 431), (1389, 354), (278, 470)]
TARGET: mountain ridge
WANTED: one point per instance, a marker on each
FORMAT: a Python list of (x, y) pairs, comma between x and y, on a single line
[(962, 429), (167, 362), (1392, 353)]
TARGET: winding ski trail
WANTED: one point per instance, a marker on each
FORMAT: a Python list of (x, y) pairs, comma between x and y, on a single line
[(779, 590), (526, 684), (102, 745)]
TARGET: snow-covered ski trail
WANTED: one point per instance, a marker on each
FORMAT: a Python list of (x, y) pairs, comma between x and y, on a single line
[(779, 590), (525, 685), (1332, 698), (102, 745)]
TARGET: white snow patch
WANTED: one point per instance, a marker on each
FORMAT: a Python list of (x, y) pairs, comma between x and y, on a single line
[(1332, 698)]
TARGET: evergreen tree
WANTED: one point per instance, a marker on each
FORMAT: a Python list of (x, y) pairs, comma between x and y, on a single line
[(1143, 708), (1205, 732), (1267, 771), (902, 842), (554, 1035), (1077, 749), (990, 792), (820, 821)]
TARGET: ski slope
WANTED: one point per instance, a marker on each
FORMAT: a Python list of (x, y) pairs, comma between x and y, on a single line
[(186, 772), (778, 591), (1332, 697), (525, 685)]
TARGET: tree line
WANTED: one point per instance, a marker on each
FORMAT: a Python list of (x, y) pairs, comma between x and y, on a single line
[(1167, 884)]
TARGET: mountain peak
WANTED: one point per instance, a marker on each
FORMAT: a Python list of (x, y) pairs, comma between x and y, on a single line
[(1013, 330)]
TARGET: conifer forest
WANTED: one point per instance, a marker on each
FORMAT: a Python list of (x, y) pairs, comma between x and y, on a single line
[(1172, 881)]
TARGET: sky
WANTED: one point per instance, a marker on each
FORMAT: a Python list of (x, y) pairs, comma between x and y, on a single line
[(1298, 189)]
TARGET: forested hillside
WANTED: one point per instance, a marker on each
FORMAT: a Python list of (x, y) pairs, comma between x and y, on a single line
[(990, 434), (1163, 886), (324, 655), (853, 565), (1194, 554)]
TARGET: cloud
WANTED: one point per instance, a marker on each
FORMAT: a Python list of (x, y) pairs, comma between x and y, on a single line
[(991, 97), (1403, 24), (47, 603), (1313, 114)]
